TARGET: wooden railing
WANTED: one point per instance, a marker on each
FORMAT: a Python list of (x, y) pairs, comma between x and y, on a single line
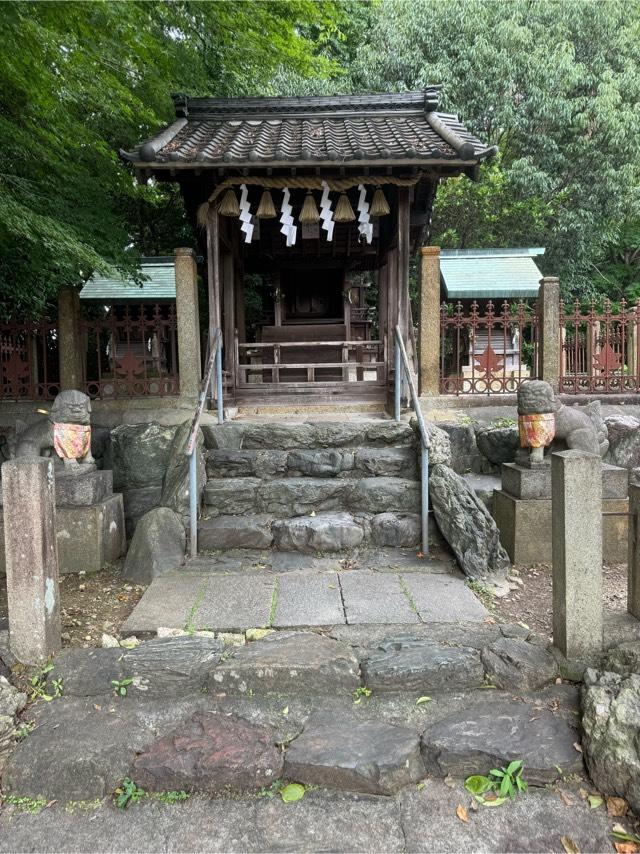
[(345, 361)]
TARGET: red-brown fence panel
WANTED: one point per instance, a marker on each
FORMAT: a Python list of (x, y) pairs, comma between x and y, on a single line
[(131, 351), (599, 349), (484, 351), (29, 360)]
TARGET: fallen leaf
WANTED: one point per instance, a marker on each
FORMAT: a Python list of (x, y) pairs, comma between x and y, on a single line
[(291, 793), (462, 814), (421, 700), (450, 782), (577, 746), (569, 845), (474, 806), (616, 807), (285, 711), (626, 847), (559, 680), (566, 799), (595, 801), (584, 794), (490, 620)]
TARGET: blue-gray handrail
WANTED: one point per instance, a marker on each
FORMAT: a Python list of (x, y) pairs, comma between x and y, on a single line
[(214, 359), (402, 369)]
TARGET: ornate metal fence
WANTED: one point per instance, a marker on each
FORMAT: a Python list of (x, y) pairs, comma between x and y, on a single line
[(29, 360), (131, 351), (599, 349), (487, 351)]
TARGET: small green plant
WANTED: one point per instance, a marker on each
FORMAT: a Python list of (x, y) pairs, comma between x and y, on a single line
[(274, 601), (57, 687), (23, 730), (486, 596), (38, 684), (128, 793), (500, 784), (120, 686), (32, 805), (272, 790), (360, 692), (503, 422), (171, 797)]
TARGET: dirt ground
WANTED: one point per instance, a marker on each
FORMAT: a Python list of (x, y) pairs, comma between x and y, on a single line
[(530, 603), (91, 605)]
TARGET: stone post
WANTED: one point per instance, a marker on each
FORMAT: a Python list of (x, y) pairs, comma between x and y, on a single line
[(633, 565), (188, 323), (429, 322), (70, 356), (576, 525), (28, 492), (549, 331)]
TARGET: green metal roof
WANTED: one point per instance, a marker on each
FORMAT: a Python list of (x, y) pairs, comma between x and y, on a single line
[(490, 273), (160, 284)]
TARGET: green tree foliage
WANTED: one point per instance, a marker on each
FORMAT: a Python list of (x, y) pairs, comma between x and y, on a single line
[(554, 84), (80, 80)]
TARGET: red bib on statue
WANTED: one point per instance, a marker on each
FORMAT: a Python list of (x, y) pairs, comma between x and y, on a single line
[(72, 441), (537, 431)]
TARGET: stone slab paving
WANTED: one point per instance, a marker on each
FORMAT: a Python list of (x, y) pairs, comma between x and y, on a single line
[(305, 600), (322, 594), (372, 597), (414, 821)]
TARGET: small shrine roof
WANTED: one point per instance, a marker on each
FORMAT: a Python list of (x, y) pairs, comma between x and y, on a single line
[(370, 130), (490, 273), (159, 283)]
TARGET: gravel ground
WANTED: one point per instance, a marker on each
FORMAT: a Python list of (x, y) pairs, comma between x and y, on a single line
[(91, 605), (530, 602)]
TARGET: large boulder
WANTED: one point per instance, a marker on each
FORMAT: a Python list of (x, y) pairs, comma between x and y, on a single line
[(11, 702), (158, 545), (175, 485), (498, 444), (624, 441), (140, 454), (439, 444), (462, 441), (325, 532), (611, 722), (467, 525)]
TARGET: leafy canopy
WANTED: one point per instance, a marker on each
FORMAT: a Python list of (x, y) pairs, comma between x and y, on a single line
[(555, 85), (80, 80)]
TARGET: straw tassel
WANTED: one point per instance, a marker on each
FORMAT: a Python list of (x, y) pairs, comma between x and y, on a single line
[(202, 214), (229, 205), (344, 211), (309, 211), (266, 208), (379, 204)]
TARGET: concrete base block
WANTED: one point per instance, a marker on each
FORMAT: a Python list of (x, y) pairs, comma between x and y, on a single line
[(525, 528), (535, 483), (88, 537), (83, 489)]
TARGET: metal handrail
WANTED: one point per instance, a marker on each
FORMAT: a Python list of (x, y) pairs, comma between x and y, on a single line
[(214, 359), (402, 368)]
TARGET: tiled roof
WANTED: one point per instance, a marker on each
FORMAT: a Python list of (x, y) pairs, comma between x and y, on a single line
[(490, 273), (159, 284), (350, 129)]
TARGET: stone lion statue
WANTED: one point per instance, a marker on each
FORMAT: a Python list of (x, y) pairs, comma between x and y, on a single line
[(582, 427), (64, 434)]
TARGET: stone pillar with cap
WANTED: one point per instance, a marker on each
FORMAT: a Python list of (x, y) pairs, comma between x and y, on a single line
[(549, 331), (28, 492), (188, 318), (70, 357), (429, 326)]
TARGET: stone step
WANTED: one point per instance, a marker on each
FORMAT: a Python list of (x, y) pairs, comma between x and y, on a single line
[(352, 463), (287, 706), (324, 532), (291, 436), (299, 496)]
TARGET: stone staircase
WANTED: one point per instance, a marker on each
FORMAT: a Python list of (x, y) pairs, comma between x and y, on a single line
[(311, 487)]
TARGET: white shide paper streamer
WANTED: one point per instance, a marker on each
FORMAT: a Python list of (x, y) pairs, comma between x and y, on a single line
[(288, 228), (245, 214), (365, 226), (325, 211)]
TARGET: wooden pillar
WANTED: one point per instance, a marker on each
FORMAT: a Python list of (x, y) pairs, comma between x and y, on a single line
[(229, 315), (429, 321), (213, 271), (404, 313)]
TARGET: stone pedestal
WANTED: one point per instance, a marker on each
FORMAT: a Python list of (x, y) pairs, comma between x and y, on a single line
[(522, 510), (90, 528)]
